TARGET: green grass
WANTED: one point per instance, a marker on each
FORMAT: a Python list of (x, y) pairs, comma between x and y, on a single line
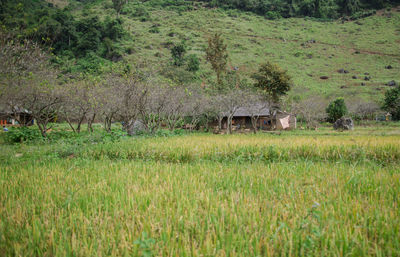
[(314, 193), (252, 40)]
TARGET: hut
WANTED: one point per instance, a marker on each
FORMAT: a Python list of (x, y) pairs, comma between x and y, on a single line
[(16, 117), (266, 120)]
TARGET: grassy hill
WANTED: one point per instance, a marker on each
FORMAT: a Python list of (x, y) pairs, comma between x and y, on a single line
[(363, 46), (306, 47)]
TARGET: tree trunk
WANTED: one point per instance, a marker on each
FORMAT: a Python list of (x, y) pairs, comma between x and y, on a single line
[(78, 128), (42, 127), (229, 124), (254, 120), (90, 123), (70, 124), (220, 118)]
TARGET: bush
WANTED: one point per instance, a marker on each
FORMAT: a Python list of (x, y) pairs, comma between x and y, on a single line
[(23, 134), (392, 102), (336, 110), (272, 15), (193, 63)]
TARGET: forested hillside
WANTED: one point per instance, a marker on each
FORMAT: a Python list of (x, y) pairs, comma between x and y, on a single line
[(329, 47)]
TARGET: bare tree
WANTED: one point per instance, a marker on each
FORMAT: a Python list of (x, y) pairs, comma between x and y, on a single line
[(76, 105), (131, 93), (108, 102), (27, 82), (361, 109), (175, 108), (311, 109), (195, 107), (152, 112)]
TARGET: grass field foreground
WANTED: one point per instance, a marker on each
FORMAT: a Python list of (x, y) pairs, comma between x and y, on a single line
[(294, 194)]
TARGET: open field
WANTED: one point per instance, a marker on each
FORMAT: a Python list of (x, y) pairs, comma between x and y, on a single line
[(315, 193)]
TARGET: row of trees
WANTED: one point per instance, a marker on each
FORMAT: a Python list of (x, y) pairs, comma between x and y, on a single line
[(29, 82), (295, 8)]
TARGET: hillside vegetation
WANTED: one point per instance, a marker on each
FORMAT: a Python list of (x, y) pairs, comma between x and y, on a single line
[(89, 36)]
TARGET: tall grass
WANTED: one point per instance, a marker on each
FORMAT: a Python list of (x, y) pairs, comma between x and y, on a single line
[(243, 148), (203, 195)]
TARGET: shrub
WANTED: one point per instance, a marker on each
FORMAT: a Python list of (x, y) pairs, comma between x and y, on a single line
[(178, 53), (336, 110), (193, 63), (272, 15), (392, 102), (23, 134)]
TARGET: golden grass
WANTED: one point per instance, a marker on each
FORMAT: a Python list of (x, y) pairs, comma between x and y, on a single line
[(123, 199)]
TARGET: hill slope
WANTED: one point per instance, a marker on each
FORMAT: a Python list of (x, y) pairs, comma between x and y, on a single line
[(307, 48), (360, 47)]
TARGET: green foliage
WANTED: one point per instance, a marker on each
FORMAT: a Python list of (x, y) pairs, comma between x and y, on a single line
[(392, 102), (23, 134), (193, 63), (313, 8), (118, 5), (145, 244), (178, 53), (272, 80), (217, 55), (336, 110), (272, 15), (70, 38)]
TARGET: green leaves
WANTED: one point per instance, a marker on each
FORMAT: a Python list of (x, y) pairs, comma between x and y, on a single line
[(392, 102), (145, 244), (274, 81), (336, 109)]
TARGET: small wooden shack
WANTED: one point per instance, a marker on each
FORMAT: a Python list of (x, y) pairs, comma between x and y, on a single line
[(17, 117), (267, 120)]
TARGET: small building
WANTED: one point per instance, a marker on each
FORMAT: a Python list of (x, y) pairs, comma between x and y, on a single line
[(18, 117), (267, 120)]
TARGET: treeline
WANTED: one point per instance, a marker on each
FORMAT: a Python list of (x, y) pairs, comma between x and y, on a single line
[(273, 9), (296, 8)]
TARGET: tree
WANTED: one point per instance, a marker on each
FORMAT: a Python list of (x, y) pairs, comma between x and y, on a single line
[(336, 110), (392, 102), (28, 82), (76, 105), (131, 92), (360, 109), (350, 6), (217, 55), (118, 5), (310, 110), (178, 54), (175, 108), (273, 81)]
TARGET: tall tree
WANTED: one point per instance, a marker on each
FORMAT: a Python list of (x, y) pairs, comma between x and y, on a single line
[(217, 55), (273, 81)]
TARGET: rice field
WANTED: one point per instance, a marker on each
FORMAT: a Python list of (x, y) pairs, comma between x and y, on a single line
[(300, 193)]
